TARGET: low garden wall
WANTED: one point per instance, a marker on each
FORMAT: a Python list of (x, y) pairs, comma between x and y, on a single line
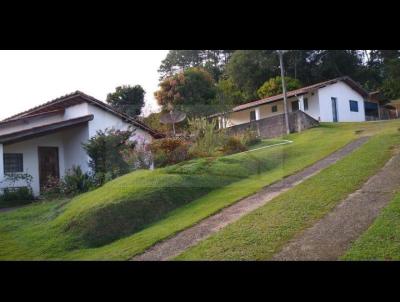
[(275, 126)]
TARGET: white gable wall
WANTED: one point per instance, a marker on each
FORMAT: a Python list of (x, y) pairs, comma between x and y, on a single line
[(343, 94), (313, 105), (74, 153), (104, 119)]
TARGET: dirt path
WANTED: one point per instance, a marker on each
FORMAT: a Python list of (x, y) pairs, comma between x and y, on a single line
[(175, 245), (330, 238)]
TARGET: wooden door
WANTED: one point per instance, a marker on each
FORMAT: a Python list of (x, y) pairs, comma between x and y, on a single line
[(48, 164)]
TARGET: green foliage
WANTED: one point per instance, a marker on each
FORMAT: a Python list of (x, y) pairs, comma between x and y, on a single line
[(249, 138), (17, 190), (105, 150), (76, 182), (169, 151), (249, 69), (207, 140), (191, 91), (153, 121), (232, 145), (274, 86), (228, 94), (127, 99), (12, 197), (73, 183), (212, 60)]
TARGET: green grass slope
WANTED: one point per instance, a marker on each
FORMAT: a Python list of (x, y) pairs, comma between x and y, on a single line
[(133, 212), (382, 239), (260, 234)]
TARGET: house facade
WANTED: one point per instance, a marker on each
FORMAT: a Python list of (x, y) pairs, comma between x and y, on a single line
[(337, 100), (47, 140)]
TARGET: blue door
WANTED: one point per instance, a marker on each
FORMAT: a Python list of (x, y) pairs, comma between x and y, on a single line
[(334, 110)]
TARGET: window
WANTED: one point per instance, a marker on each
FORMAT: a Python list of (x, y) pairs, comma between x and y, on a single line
[(354, 106), (13, 163), (252, 116), (305, 101), (274, 108)]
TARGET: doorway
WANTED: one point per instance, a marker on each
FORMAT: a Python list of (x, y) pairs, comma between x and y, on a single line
[(48, 164), (334, 110), (295, 106)]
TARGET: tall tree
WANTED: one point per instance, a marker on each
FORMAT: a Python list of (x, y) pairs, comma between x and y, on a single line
[(127, 99), (249, 69), (274, 86), (191, 91), (391, 70), (179, 60)]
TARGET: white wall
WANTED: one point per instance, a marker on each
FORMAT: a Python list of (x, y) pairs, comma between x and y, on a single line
[(76, 111), (74, 153), (29, 149), (313, 105), (343, 94), (103, 119)]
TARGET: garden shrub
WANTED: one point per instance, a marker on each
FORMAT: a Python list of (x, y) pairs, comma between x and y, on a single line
[(249, 138), (16, 196), (18, 190), (76, 182), (233, 145), (169, 151), (73, 183), (207, 139), (106, 150)]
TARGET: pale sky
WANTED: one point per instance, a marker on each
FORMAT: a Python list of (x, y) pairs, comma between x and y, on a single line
[(31, 77)]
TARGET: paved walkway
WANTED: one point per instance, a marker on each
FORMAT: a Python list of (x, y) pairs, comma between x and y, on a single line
[(331, 237), (175, 245)]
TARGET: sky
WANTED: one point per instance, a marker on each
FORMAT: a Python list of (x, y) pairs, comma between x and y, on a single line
[(31, 77)]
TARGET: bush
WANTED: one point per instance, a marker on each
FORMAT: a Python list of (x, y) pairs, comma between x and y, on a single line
[(76, 182), (249, 138), (17, 191), (169, 151), (16, 196), (73, 183), (106, 150), (207, 139), (233, 145)]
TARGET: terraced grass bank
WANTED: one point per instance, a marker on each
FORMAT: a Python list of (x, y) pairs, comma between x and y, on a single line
[(131, 213)]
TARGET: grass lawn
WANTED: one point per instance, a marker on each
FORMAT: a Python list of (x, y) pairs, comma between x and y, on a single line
[(131, 213), (382, 239), (267, 142), (260, 234)]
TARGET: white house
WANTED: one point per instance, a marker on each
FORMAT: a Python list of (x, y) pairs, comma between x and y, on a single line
[(336, 100), (47, 140)]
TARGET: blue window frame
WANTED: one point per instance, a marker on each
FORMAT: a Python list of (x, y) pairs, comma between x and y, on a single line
[(353, 106)]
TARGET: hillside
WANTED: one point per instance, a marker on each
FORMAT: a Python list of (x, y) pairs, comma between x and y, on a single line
[(133, 212)]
